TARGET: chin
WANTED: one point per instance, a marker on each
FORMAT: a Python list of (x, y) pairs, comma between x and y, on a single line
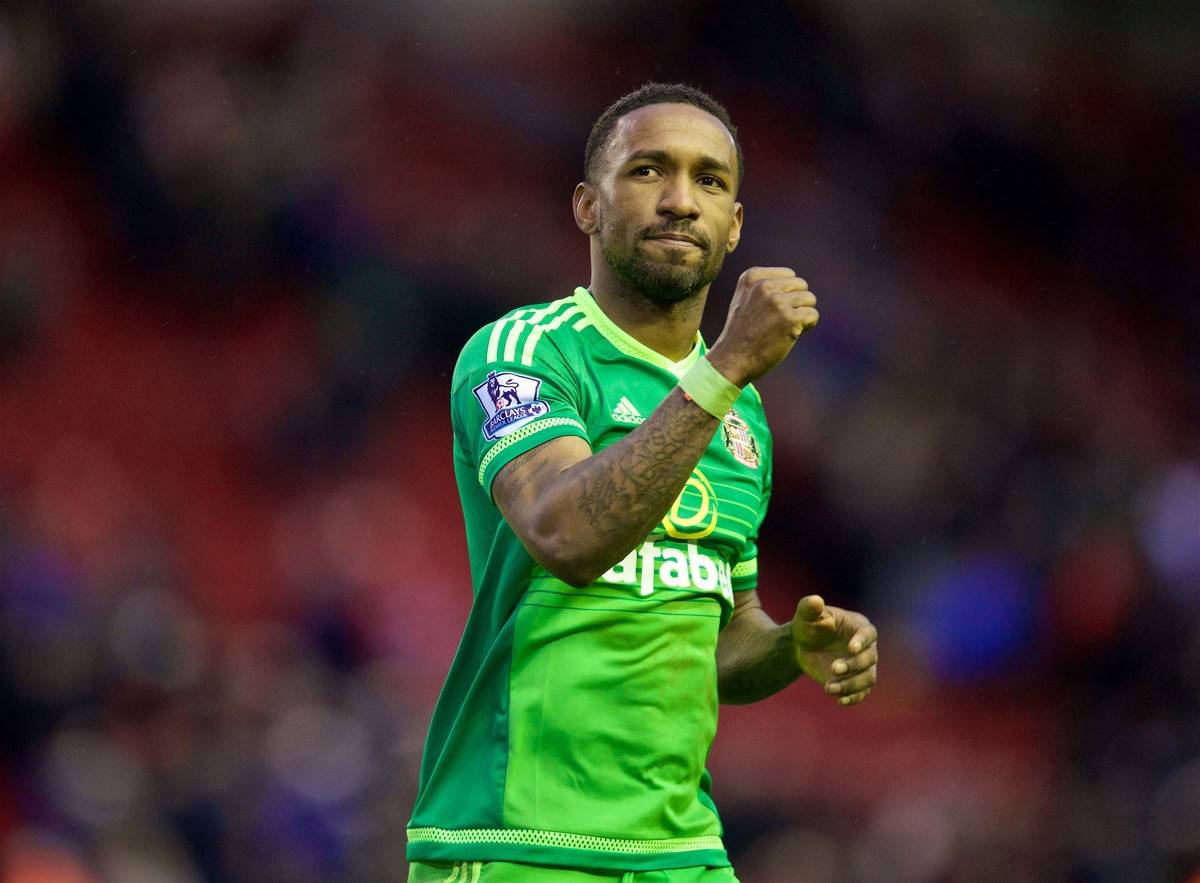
[(670, 294), (663, 282)]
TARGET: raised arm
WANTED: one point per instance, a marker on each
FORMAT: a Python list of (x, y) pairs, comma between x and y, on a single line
[(579, 513)]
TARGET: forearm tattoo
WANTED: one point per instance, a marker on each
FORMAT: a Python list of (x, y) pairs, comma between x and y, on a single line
[(605, 504), (625, 490)]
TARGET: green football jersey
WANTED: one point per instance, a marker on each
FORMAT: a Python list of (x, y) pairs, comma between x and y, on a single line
[(574, 724)]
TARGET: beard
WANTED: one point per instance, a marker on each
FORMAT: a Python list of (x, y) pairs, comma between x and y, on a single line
[(667, 280)]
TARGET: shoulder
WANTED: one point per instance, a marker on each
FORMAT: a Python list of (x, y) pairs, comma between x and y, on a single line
[(536, 335)]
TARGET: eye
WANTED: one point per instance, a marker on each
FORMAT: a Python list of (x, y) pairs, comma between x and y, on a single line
[(645, 171), (711, 181)]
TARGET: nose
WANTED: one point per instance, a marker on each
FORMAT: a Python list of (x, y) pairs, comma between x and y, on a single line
[(678, 198)]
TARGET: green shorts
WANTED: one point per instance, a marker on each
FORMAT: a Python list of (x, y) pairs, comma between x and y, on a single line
[(511, 872)]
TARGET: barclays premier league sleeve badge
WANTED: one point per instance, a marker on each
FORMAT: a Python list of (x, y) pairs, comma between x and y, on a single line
[(510, 401)]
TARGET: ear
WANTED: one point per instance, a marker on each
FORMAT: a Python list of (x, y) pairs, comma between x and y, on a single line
[(583, 202), (735, 229)]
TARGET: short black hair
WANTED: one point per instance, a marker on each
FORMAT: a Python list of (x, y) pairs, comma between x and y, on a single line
[(653, 93)]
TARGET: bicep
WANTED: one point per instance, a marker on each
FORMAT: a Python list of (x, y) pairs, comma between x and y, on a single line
[(522, 484)]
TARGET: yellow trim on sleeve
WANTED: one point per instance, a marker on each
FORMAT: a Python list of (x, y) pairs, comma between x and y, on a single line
[(744, 568), (523, 433)]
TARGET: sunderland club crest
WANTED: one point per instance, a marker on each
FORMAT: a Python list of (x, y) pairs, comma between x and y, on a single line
[(509, 400), (735, 432)]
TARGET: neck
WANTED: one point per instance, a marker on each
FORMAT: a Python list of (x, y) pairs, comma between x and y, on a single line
[(668, 329)]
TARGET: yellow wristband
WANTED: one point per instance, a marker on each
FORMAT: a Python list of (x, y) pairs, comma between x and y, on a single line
[(709, 388)]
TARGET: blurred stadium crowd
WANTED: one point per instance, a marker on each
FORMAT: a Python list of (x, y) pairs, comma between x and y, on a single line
[(241, 244)]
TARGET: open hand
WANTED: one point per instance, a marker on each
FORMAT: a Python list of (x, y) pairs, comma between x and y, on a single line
[(836, 648)]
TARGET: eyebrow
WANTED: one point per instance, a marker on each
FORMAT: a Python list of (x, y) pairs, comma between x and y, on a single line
[(661, 156)]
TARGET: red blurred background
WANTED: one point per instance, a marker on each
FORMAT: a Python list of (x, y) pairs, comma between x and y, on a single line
[(241, 245)]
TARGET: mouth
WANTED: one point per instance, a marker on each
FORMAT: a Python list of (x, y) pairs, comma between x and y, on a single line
[(676, 240)]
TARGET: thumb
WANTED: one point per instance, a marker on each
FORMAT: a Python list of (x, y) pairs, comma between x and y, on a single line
[(810, 608)]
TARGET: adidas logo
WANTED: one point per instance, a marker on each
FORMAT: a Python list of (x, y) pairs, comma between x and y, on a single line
[(625, 412)]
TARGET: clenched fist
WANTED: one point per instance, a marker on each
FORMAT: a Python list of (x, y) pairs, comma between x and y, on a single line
[(771, 308)]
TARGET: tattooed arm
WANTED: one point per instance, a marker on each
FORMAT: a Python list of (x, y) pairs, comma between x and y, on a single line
[(580, 513)]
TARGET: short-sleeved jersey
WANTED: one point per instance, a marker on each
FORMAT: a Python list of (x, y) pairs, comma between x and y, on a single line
[(574, 724)]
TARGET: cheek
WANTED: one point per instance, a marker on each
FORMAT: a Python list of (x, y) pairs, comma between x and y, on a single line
[(613, 225), (724, 233), (623, 209)]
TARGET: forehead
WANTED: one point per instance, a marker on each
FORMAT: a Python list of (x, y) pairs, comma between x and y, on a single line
[(674, 128)]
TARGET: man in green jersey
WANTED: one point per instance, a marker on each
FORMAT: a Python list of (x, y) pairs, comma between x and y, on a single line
[(614, 472)]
